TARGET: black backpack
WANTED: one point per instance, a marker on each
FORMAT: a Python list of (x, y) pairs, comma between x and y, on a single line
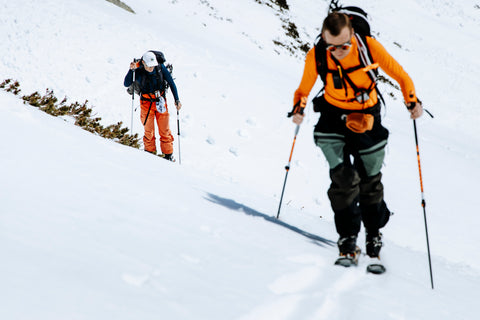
[(159, 55), (136, 87), (359, 20)]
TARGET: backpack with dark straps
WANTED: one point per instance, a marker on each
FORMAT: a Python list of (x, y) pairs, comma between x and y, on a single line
[(137, 87), (359, 20), (159, 55), (161, 60)]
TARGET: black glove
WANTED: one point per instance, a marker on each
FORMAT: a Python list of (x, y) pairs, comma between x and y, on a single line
[(298, 107), (411, 105)]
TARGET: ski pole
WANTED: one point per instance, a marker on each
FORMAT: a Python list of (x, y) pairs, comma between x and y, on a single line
[(287, 168), (133, 99), (178, 133), (297, 108), (423, 200)]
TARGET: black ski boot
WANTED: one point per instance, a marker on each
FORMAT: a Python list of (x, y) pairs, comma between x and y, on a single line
[(374, 244), (349, 251), (168, 156)]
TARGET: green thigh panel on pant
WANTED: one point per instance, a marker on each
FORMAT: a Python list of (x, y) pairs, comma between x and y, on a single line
[(372, 158), (332, 147)]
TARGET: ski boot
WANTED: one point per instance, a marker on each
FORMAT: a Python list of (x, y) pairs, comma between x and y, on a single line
[(349, 251), (168, 157), (373, 245)]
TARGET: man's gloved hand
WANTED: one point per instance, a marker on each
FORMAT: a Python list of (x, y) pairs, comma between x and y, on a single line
[(134, 64), (415, 109), (297, 111), (178, 104)]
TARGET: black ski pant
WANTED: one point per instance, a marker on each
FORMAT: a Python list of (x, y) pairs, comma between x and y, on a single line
[(355, 160)]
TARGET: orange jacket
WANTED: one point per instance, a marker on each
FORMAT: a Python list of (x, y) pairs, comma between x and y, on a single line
[(361, 79)]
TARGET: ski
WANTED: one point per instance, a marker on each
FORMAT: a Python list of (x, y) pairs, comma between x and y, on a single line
[(375, 266), (349, 259)]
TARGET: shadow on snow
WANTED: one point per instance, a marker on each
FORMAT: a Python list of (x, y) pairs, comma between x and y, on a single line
[(233, 205)]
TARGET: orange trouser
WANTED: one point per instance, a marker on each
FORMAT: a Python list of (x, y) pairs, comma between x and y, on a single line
[(166, 137)]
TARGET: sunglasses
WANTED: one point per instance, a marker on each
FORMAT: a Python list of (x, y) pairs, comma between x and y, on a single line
[(343, 46)]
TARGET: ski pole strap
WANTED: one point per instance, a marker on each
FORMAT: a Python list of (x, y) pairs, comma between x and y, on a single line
[(298, 107), (428, 112)]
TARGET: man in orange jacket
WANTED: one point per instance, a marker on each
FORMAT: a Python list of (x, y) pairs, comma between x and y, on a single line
[(350, 128)]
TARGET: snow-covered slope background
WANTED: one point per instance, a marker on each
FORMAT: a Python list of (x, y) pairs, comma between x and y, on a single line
[(91, 229)]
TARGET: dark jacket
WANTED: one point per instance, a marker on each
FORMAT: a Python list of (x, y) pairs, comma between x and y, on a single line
[(151, 81)]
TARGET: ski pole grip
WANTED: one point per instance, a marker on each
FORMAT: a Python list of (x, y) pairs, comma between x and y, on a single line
[(298, 107)]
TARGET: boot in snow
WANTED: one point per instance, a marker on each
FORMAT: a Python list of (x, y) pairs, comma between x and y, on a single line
[(349, 251)]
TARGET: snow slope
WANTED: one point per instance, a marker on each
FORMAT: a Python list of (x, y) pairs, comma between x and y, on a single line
[(90, 229)]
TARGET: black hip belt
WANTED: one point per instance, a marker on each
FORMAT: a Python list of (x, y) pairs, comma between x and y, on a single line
[(321, 105), (150, 99)]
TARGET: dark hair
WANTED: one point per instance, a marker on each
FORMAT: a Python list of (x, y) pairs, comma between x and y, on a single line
[(335, 22)]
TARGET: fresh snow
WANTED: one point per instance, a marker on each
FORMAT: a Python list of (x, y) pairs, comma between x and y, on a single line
[(91, 229)]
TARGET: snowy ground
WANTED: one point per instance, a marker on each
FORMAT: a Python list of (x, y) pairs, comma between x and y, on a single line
[(90, 229)]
